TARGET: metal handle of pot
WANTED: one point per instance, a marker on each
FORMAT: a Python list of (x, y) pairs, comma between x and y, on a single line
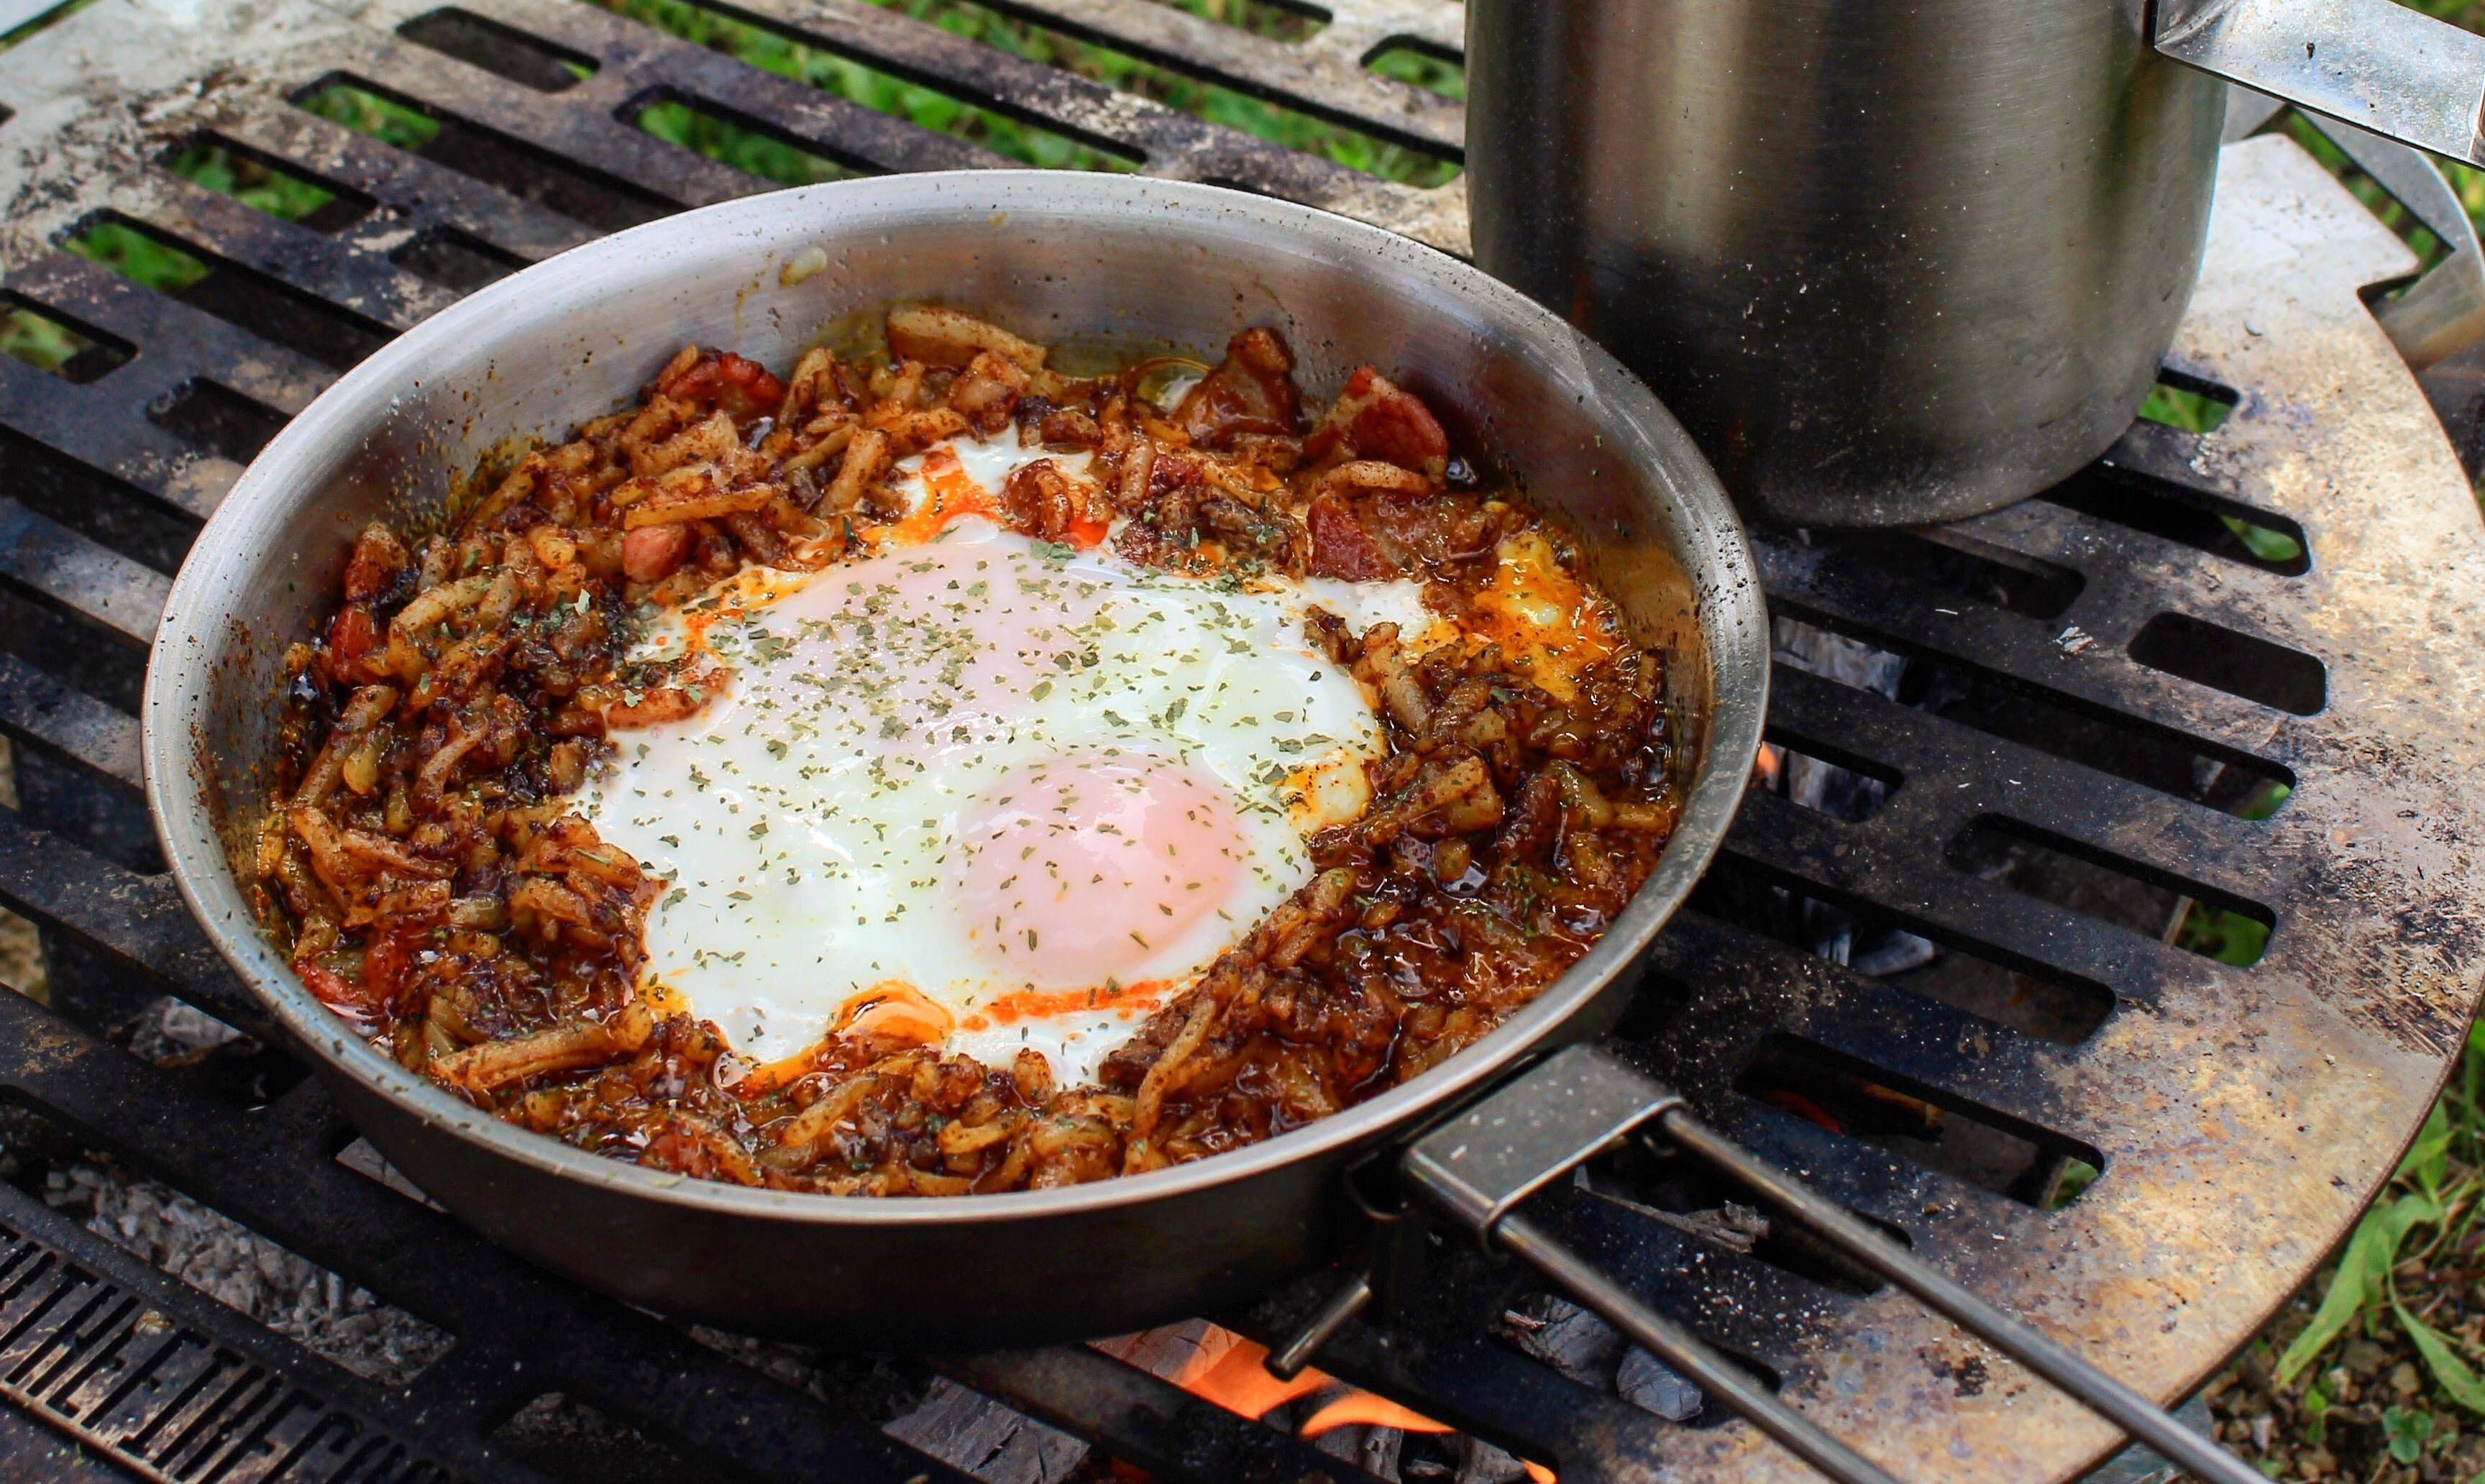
[(2442, 312), (1479, 1167), (2375, 63)]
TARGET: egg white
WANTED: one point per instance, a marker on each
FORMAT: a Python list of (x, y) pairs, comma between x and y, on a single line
[(806, 822)]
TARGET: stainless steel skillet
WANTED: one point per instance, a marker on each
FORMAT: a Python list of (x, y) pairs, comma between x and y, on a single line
[(1083, 262), (1078, 261)]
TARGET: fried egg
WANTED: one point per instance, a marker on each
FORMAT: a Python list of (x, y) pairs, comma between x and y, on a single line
[(982, 791)]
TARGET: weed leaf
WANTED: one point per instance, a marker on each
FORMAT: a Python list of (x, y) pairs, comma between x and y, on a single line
[(2428, 1158), (2457, 1381), (2370, 1254)]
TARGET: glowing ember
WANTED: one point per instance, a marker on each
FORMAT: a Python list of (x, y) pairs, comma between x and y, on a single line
[(1232, 1372)]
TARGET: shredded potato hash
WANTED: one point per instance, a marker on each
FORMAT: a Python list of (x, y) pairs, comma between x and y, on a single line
[(420, 868)]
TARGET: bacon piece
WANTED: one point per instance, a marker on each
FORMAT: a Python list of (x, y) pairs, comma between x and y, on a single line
[(1042, 501), (987, 390), (1342, 548), (1377, 419), (733, 384), (650, 553), (379, 559), (348, 998), (355, 653), (1250, 392)]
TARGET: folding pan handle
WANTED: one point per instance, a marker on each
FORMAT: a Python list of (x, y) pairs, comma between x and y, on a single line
[(1477, 1169), (2377, 63)]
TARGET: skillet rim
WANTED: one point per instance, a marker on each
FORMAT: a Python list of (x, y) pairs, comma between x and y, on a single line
[(1733, 622)]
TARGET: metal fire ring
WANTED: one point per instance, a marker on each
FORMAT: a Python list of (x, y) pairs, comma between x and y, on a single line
[(2081, 681)]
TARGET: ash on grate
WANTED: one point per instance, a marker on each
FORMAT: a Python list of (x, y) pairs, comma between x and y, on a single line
[(237, 1267), (1834, 790), (972, 1433), (170, 1034), (1593, 1354)]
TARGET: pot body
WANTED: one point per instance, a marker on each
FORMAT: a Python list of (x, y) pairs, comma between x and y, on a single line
[(1100, 267), (1889, 261)]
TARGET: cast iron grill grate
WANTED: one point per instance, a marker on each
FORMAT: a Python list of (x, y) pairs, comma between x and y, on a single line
[(1934, 971)]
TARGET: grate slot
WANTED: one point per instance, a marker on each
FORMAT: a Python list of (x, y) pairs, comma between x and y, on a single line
[(180, 340), (500, 49), (921, 101), (322, 275), (137, 921), (455, 259), (1096, 1396), (2188, 403), (2076, 877), (2236, 663), (1645, 1179), (595, 198), (1927, 1126), (266, 183), (129, 523), (1964, 567), (50, 341), (2228, 528), (1421, 63), (242, 298), (418, 191), (1175, 79), (2054, 659), (212, 416), (1825, 775), (1987, 980), (1260, 17), (36, 707), (733, 138), (2073, 730), (48, 561)]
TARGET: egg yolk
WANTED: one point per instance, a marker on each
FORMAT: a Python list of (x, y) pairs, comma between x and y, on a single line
[(1082, 868)]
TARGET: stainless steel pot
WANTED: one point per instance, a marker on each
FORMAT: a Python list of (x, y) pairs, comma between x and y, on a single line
[(1083, 261), (1903, 261)]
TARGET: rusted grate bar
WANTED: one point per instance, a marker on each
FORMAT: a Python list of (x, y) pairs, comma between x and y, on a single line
[(2222, 675)]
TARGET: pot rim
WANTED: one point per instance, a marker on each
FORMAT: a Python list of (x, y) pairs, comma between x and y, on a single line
[(1733, 627)]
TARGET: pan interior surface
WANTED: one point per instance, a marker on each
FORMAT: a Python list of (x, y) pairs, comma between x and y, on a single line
[(1097, 267)]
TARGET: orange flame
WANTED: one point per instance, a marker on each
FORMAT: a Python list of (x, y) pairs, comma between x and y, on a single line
[(1236, 1379), (1232, 1372)]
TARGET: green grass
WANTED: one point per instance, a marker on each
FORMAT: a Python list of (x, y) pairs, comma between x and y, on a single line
[(2426, 1220), (275, 192), (43, 22), (1015, 139), (135, 256), (2228, 937), (39, 341), (2193, 412), (2198, 412), (367, 113), (1260, 17), (721, 139), (1413, 65)]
